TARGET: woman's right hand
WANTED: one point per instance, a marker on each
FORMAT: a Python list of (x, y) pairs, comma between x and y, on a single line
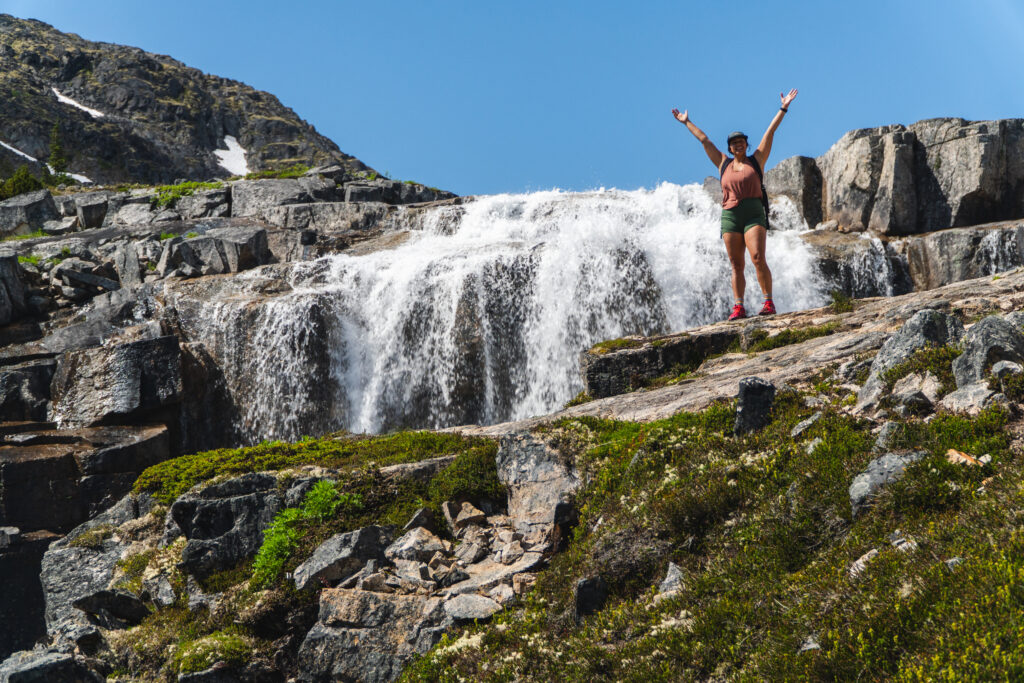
[(681, 117)]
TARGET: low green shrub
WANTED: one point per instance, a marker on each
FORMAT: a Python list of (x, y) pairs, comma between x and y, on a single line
[(168, 195)]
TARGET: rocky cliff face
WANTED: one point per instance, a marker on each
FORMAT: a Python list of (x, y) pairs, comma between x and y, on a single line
[(902, 180), (129, 116)]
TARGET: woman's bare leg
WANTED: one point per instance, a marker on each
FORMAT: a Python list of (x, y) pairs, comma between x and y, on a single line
[(755, 239), (734, 248)]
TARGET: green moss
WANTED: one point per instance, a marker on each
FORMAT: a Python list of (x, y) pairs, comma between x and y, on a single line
[(616, 345), (171, 478), (579, 399), (223, 646), (168, 195), (93, 538), (167, 236), (33, 259)]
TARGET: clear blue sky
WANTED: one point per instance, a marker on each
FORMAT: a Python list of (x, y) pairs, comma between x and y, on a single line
[(485, 97)]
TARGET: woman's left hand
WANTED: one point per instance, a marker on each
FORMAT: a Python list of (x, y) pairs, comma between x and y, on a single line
[(786, 99)]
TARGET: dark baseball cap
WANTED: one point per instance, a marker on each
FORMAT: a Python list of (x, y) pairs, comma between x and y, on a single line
[(735, 134)]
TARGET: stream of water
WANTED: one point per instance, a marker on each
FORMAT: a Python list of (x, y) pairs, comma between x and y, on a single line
[(480, 316)]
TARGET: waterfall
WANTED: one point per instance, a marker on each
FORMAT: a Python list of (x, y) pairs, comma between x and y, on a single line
[(480, 315)]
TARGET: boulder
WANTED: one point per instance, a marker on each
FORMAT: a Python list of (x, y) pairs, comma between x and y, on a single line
[(367, 636), (12, 289), (257, 197), (607, 373), (417, 544), (27, 212), (53, 666), (112, 608), (541, 486), (124, 381), (126, 263), (754, 407), (970, 399), (25, 389), (72, 570), (91, 209), (466, 609), (340, 556), (985, 344), (242, 247), (798, 178), (224, 522), (879, 472), (925, 328), (673, 581), (214, 203), (589, 595)]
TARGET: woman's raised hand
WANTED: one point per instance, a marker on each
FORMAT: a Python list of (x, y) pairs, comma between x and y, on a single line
[(786, 99), (684, 116)]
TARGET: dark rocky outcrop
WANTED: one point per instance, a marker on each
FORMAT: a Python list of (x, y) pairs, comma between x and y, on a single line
[(224, 523), (988, 342), (754, 405), (608, 374)]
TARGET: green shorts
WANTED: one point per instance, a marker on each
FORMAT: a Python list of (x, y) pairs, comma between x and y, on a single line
[(742, 217)]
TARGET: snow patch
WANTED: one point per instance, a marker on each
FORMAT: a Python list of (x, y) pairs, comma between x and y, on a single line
[(67, 100), (17, 151), (80, 178), (232, 158)]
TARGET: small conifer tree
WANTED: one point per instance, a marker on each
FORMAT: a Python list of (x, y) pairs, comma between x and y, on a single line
[(58, 160)]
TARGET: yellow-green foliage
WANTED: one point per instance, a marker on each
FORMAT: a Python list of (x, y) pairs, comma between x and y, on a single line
[(202, 653), (763, 533), (763, 342), (294, 171), (168, 195), (33, 259), (616, 345), (320, 505), (171, 478)]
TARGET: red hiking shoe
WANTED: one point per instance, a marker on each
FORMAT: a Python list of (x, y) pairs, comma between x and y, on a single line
[(738, 312), (768, 308)]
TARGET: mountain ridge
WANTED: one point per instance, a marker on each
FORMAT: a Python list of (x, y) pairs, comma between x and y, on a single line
[(161, 120)]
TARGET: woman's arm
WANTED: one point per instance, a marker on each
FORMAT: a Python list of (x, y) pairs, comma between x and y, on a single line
[(709, 147), (765, 148)]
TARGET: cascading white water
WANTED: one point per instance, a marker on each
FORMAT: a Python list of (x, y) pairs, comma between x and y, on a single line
[(481, 315)]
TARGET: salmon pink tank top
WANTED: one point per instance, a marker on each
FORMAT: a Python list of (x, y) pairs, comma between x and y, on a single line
[(739, 185)]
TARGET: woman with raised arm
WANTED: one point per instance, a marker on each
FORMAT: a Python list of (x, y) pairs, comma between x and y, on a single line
[(743, 215)]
